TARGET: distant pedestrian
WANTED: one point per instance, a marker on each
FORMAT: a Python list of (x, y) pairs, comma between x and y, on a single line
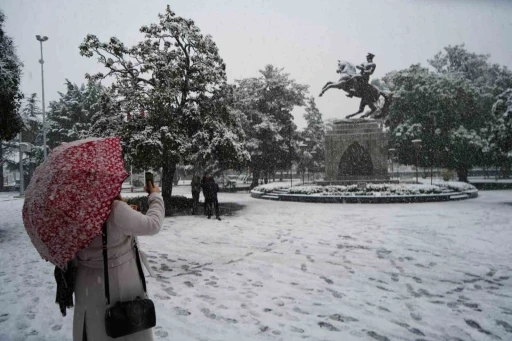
[(196, 190), (210, 190)]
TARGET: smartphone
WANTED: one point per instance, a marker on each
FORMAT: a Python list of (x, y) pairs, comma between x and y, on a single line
[(149, 178)]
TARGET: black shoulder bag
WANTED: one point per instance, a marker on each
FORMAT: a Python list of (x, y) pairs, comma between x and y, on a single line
[(128, 317)]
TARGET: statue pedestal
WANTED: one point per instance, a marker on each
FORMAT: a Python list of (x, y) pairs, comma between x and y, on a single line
[(356, 151)]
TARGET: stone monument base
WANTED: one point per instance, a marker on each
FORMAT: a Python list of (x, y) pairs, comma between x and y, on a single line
[(356, 152)]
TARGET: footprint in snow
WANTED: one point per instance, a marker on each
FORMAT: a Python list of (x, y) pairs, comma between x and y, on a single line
[(300, 311), (161, 333), (377, 336), (278, 302), (296, 330), (208, 313), (181, 311), (327, 280), (328, 326)]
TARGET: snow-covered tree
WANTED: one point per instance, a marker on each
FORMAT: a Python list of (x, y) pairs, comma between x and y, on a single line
[(267, 103), (31, 135), (500, 137), (32, 119), (489, 78), (445, 110), (108, 120), (176, 77), (314, 136), (71, 116), (10, 93)]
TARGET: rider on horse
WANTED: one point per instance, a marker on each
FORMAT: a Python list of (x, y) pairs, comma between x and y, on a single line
[(361, 81)]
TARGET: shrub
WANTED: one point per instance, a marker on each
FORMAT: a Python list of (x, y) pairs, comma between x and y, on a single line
[(137, 183), (447, 174), (178, 203), (271, 187)]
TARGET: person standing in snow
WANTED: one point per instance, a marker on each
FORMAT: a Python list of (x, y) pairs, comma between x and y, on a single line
[(196, 190), (210, 190), (123, 225)]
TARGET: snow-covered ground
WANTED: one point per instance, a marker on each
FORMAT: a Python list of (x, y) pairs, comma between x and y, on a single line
[(292, 271)]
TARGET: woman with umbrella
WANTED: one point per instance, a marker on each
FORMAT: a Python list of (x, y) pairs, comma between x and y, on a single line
[(71, 211)]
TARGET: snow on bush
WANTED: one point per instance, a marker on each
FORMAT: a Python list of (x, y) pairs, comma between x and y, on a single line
[(306, 190), (370, 189), (267, 188), (456, 186)]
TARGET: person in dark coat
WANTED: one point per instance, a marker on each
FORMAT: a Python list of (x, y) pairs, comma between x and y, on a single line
[(196, 190), (210, 190)]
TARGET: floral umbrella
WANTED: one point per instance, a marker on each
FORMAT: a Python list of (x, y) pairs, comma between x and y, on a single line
[(70, 195)]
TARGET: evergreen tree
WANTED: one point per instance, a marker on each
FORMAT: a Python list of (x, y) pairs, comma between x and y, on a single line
[(72, 115), (31, 137), (109, 119), (175, 76), (500, 137), (314, 136), (267, 103), (449, 109), (10, 94)]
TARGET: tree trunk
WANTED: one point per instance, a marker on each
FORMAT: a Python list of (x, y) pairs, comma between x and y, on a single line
[(1, 167), (176, 179), (168, 170), (266, 178), (255, 178), (505, 170), (462, 173)]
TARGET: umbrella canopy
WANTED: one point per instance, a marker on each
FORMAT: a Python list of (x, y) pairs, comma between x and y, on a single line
[(70, 196)]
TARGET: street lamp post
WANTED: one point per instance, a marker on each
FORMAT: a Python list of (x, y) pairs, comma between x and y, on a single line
[(313, 162), (432, 144), (417, 146), (302, 147), (290, 154), (22, 180), (398, 135), (41, 61), (391, 152)]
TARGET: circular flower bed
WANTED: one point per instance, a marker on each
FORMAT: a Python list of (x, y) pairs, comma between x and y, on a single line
[(384, 192)]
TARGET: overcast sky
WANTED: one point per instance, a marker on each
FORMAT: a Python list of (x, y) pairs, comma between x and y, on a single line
[(306, 38)]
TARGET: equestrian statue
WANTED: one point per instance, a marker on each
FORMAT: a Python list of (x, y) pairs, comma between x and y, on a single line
[(357, 84)]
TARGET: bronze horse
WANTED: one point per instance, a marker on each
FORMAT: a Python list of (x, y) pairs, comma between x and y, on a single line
[(352, 83)]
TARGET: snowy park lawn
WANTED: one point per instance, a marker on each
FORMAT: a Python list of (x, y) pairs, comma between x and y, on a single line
[(293, 271)]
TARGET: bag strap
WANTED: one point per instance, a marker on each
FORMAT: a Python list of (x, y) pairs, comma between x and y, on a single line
[(105, 262), (139, 265)]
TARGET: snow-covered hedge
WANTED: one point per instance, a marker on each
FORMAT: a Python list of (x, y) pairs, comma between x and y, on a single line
[(456, 186), (271, 187), (370, 189)]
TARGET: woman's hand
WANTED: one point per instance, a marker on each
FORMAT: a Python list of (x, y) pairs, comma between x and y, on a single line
[(150, 188)]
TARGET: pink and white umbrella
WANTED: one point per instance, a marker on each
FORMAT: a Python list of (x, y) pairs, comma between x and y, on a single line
[(70, 196)]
